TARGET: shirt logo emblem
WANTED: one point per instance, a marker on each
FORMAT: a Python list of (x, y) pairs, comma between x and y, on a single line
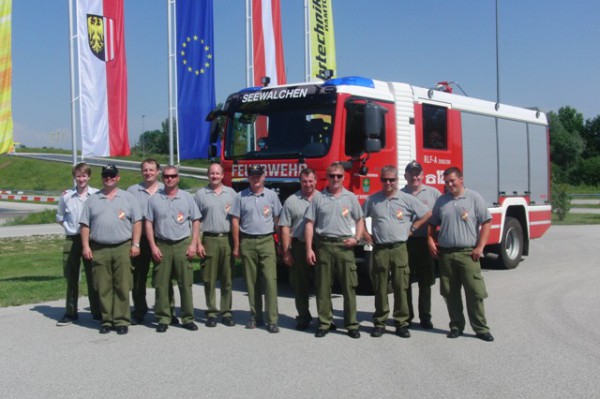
[(180, 217), (399, 214), (122, 215), (345, 212), (464, 215)]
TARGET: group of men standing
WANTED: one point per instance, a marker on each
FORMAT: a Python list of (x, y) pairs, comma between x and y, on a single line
[(123, 230)]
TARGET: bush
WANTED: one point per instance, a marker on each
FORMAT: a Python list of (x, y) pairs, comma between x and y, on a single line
[(561, 200)]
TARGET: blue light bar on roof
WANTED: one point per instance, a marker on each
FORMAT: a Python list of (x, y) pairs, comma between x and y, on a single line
[(251, 89), (350, 81)]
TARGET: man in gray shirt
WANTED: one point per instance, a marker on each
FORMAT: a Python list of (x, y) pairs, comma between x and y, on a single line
[(394, 216), (419, 259), (255, 214), (172, 225), (142, 192), (111, 226), (292, 224), (464, 227), (215, 201), (335, 221)]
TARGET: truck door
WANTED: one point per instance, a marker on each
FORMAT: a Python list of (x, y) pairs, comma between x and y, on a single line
[(438, 140)]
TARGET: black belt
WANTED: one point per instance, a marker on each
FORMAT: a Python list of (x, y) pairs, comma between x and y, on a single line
[(74, 237), (255, 236), (208, 234), (333, 239), (389, 245), (170, 242), (455, 249), (99, 244)]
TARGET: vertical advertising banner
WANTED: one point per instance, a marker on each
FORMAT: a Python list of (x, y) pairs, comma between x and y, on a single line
[(195, 76), (267, 42), (6, 123), (102, 78), (322, 40)]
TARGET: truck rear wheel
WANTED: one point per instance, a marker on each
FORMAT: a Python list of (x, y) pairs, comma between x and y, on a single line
[(511, 245)]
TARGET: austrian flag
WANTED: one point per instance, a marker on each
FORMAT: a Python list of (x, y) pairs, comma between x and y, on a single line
[(102, 78)]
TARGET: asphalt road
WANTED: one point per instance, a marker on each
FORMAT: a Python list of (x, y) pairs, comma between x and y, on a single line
[(544, 315)]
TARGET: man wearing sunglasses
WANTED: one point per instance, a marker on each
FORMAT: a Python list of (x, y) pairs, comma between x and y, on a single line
[(335, 221), (419, 259), (394, 215), (172, 225), (142, 192), (110, 235)]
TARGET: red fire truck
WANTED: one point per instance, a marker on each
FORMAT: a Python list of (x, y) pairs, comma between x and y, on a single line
[(367, 124)]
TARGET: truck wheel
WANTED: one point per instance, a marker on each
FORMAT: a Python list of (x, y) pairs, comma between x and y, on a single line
[(511, 244)]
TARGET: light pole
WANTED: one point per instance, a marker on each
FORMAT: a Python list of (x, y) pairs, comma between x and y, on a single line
[(142, 138)]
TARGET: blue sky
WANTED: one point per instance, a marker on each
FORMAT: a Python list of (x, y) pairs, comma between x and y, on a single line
[(549, 54)]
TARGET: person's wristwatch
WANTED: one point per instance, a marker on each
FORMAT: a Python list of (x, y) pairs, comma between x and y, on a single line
[(135, 244)]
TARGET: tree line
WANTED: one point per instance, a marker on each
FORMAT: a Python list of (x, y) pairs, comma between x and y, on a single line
[(574, 147)]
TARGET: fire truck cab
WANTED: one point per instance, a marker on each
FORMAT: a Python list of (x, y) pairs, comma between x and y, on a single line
[(367, 124)]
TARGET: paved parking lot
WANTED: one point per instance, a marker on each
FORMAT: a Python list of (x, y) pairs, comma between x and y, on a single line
[(544, 315)]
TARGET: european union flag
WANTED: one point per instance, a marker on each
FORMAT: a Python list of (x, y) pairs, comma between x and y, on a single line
[(195, 76)]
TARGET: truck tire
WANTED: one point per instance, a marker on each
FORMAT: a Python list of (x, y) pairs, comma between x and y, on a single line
[(510, 248)]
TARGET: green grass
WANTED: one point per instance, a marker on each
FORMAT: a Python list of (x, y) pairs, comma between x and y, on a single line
[(53, 177), (586, 206), (45, 217), (31, 270), (577, 219)]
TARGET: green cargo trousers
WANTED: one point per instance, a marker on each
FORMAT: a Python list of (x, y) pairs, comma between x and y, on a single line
[(174, 265), (335, 260), (301, 276), (390, 259), (111, 269), (457, 270), (218, 264), (421, 269), (72, 258), (258, 256)]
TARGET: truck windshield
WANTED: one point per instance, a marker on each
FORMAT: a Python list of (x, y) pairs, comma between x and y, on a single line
[(280, 129)]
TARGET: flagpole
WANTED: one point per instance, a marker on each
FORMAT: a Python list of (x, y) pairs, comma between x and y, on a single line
[(307, 63), (72, 71), (249, 61), (170, 5)]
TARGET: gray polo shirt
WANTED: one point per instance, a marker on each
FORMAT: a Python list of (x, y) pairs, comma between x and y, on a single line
[(392, 217), (110, 221), (215, 208), (427, 195), (172, 217), (334, 216), (70, 206), (141, 194), (459, 219), (293, 212), (257, 213)]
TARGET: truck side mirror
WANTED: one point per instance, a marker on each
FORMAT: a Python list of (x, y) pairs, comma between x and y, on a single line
[(374, 126), (374, 120)]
